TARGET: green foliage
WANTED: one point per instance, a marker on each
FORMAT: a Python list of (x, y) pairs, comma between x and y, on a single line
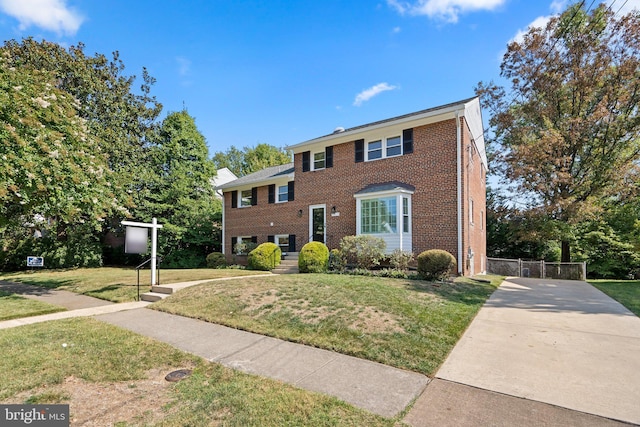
[(313, 258), (363, 251), (216, 260), (250, 159), (180, 194), (608, 257), (79, 249), (266, 256), (436, 264), (336, 261), (400, 259)]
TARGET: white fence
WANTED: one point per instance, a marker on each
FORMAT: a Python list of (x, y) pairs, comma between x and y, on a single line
[(537, 269)]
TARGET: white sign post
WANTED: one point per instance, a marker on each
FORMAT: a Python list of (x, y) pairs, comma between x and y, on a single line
[(154, 242)]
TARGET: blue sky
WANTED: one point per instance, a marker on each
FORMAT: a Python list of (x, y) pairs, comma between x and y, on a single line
[(282, 72)]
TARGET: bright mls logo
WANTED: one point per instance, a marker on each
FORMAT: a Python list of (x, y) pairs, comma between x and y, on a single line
[(34, 415)]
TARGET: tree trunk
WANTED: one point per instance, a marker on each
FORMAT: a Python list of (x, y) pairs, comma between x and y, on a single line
[(565, 254)]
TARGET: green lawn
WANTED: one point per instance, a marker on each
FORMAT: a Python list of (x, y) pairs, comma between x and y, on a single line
[(408, 324), (15, 307), (38, 360), (626, 292), (114, 284)]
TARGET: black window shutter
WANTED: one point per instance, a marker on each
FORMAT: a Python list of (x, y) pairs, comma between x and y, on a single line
[(234, 199), (272, 193), (360, 150), (271, 239), (407, 141), (234, 241), (328, 157), (292, 242), (254, 239), (254, 196), (306, 161), (291, 191)]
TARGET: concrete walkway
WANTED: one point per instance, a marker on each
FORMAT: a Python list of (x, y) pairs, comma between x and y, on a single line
[(538, 352)]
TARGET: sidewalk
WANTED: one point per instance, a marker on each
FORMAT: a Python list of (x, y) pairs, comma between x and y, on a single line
[(540, 352), (377, 388)]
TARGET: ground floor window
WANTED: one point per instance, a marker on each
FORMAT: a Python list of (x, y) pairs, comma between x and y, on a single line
[(282, 240), (384, 210)]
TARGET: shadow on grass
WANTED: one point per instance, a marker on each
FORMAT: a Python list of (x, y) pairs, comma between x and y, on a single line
[(463, 291)]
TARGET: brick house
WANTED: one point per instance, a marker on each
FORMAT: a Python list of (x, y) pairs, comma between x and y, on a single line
[(417, 181)]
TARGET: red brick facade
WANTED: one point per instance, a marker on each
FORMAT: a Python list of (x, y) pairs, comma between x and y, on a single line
[(431, 168)]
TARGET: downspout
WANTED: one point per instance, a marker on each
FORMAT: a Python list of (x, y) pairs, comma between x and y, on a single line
[(223, 226), (459, 191)]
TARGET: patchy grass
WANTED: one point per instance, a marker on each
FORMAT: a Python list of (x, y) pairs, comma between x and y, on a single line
[(110, 376), (408, 324), (114, 284), (626, 292), (15, 307)]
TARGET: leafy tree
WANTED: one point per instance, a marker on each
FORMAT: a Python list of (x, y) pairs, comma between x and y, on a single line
[(566, 131), (121, 119), (181, 194), (251, 159), (54, 174)]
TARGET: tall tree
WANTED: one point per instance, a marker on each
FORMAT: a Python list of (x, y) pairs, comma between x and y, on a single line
[(566, 131), (181, 193), (251, 159), (54, 173), (112, 110)]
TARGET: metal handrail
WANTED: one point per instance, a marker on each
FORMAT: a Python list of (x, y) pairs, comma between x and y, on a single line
[(138, 268)]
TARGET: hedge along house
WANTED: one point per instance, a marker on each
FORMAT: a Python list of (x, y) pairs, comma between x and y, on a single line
[(417, 181)]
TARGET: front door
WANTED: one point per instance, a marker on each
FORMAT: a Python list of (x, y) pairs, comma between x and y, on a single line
[(317, 224)]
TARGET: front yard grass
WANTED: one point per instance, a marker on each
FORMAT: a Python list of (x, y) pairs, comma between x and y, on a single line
[(15, 307), (110, 376), (408, 324), (626, 292), (111, 283)]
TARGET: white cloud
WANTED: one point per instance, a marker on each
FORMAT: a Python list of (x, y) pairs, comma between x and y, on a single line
[(367, 94), (52, 15), (446, 10), (184, 66)]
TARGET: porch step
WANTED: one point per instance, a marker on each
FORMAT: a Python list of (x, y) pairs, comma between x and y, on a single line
[(290, 256), (153, 296), (287, 266), (162, 289)]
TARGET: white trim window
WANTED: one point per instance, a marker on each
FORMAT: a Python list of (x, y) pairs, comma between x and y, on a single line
[(319, 160), (282, 240), (283, 194), (384, 148), (386, 214), (245, 198)]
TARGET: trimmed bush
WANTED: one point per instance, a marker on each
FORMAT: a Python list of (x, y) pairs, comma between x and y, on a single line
[(266, 256), (400, 259), (435, 264), (313, 258), (363, 251), (216, 260)]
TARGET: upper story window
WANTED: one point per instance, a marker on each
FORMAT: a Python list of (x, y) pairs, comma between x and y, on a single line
[(319, 160), (245, 198), (283, 193), (383, 148)]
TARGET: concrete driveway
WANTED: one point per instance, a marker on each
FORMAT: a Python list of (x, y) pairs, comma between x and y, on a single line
[(558, 342)]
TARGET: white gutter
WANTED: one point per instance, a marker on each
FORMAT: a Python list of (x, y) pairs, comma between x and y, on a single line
[(459, 190)]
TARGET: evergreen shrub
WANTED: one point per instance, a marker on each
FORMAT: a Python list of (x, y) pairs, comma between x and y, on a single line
[(313, 258), (266, 256), (435, 264)]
